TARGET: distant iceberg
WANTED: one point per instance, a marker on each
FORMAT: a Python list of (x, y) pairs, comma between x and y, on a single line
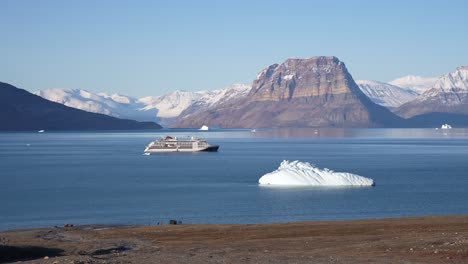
[(298, 173), (446, 126), (204, 128)]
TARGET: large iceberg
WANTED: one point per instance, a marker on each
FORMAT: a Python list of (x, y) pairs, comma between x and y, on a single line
[(298, 173)]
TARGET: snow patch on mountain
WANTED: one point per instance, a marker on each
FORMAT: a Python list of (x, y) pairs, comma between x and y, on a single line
[(417, 84), (386, 94), (288, 77)]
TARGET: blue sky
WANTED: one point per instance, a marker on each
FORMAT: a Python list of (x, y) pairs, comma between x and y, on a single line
[(152, 47)]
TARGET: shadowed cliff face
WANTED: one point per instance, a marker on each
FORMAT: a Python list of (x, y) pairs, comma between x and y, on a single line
[(299, 93)]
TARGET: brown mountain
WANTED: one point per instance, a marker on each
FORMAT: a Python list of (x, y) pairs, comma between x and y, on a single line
[(298, 93)]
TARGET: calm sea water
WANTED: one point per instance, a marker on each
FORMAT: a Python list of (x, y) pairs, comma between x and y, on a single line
[(49, 179)]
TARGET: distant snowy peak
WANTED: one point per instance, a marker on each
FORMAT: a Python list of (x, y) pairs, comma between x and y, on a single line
[(64, 95), (417, 84), (114, 105), (80, 99), (386, 94), (449, 94), (234, 91), (452, 88), (171, 105), (454, 80)]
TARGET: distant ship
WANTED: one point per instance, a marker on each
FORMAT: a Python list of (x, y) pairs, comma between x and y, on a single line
[(172, 144)]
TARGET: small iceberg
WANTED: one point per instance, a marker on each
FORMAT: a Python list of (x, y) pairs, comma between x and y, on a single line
[(41, 131), (297, 173), (446, 126), (204, 128)]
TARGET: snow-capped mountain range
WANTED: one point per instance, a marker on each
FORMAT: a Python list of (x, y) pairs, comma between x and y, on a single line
[(449, 94), (162, 109), (408, 96)]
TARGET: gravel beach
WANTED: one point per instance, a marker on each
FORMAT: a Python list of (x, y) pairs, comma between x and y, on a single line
[(441, 239)]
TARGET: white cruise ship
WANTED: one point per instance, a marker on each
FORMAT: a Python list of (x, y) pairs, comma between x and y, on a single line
[(172, 144)]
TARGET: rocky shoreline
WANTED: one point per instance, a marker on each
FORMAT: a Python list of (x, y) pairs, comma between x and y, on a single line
[(441, 239)]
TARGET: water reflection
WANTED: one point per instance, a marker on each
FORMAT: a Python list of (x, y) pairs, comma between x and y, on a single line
[(259, 133), (359, 133)]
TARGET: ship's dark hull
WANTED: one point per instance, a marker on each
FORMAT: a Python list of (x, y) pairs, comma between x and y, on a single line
[(212, 148)]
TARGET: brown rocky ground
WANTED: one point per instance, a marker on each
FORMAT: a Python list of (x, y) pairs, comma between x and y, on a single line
[(406, 240)]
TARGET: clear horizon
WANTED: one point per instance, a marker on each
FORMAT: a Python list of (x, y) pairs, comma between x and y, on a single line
[(151, 48)]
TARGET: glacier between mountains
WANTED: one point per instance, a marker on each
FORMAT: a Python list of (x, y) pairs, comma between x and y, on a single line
[(297, 173)]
